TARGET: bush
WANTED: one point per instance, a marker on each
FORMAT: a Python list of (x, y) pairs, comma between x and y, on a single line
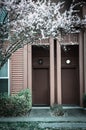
[(57, 110), (84, 100), (17, 105)]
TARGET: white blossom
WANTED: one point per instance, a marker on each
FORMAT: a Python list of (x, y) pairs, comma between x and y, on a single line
[(30, 21)]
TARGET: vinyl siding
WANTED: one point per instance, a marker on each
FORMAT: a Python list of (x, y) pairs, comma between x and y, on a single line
[(17, 71)]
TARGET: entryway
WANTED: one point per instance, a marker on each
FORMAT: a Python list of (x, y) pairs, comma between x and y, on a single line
[(40, 76), (70, 74)]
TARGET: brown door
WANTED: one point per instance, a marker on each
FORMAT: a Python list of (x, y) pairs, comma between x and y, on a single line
[(70, 74), (40, 88), (70, 86)]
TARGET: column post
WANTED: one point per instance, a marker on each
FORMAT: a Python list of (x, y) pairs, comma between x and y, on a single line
[(30, 67), (52, 74), (81, 77), (58, 66), (84, 13), (85, 61)]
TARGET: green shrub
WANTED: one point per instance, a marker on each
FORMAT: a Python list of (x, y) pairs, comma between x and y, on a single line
[(84, 100), (84, 97), (57, 110), (17, 105)]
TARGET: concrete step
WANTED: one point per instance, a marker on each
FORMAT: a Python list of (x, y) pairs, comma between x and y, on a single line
[(63, 125), (44, 119)]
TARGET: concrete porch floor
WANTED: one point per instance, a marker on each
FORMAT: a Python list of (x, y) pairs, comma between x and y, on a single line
[(75, 119), (76, 114), (71, 113)]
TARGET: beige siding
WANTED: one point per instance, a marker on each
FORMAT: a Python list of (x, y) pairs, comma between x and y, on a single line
[(17, 71)]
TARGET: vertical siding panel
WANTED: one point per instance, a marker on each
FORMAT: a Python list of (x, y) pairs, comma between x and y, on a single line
[(17, 71)]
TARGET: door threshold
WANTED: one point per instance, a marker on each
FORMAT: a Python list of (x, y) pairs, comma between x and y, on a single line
[(43, 107), (72, 107)]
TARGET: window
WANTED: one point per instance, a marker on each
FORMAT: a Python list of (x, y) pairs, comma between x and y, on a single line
[(3, 23), (4, 78), (4, 70)]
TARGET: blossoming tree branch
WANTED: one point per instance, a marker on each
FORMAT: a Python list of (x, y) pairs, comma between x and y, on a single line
[(29, 21)]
